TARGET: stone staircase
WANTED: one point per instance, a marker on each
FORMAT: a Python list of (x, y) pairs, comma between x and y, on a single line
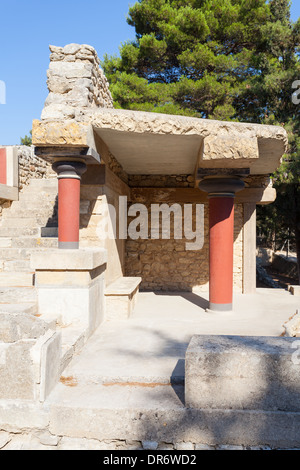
[(28, 224)]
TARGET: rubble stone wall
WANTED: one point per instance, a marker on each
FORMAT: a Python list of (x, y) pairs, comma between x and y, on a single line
[(167, 264), (31, 166), (75, 83)]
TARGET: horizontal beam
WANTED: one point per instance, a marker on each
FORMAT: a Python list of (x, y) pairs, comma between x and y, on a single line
[(194, 195), (50, 153)]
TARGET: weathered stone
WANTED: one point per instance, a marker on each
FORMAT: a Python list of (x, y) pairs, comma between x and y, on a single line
[(292, 326), (229, 147), (149, 445), (70, 69), (184, 446), (71, 48), (5, 437), (56, 133), (14, 327), (59, 85), (235, 372), (56, 49), (58, 111)]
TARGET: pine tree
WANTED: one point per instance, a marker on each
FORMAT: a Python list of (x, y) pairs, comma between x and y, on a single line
[(218, 59), (205, 58)]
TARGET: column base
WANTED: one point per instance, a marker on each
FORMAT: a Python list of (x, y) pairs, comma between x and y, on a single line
[(219, 308), (68, 245)]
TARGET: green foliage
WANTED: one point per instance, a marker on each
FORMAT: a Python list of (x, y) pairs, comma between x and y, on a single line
[(27, 140), (218, 59)]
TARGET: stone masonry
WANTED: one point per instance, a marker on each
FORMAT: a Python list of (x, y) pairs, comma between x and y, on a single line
[(75, 82)]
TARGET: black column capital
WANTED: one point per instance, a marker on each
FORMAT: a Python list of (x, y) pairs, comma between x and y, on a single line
[(69, 169), (223, 186)]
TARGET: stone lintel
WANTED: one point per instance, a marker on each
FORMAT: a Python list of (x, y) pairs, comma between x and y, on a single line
[(195, 195), (218, 172), (54, 153), (152, 143), (85, 259)]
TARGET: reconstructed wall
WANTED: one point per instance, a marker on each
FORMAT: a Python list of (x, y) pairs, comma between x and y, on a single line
[(77, 89), (31, 166), (75, 82), (167, 265)]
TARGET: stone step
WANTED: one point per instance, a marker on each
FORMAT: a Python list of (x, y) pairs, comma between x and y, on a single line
[(16, 222), (13, 295), (17, 265), (118, 411), (33, 242), (5, 242), (19, 232), (31, 308), (16, 279), (25, 211), (7, 254), (134, 412)]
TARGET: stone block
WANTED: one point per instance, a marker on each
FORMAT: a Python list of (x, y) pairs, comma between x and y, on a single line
[(17, 373), (295, 290), (228, 147), (235, 372), (70, 285), (50, 363), (72, 260), (121, 297), (292, 325)]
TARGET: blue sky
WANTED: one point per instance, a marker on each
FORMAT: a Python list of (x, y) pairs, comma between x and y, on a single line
[(27, 29)]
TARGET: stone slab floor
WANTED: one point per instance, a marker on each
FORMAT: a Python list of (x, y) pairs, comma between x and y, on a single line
[(90, 407), (150, 346)]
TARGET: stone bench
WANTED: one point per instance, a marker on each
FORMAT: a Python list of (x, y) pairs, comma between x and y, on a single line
[(121, 297)]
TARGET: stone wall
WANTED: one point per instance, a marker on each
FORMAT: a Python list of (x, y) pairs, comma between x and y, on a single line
[(75, 83), (167, 265), (31, 166)]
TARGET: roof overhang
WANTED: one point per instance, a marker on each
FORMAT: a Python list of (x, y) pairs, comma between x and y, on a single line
[(151, 143)]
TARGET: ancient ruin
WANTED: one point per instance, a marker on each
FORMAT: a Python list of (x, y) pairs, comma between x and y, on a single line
[(109, 206)]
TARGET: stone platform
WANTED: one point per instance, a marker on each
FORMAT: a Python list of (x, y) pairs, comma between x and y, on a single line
[(127, 384)]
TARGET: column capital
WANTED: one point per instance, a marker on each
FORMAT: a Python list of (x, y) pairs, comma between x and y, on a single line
[(221, 186), (69, 168)]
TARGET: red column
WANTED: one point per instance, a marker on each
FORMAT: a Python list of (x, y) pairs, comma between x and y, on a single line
[(221, 226), (3, 165), (69, 175), (68, 212), (221, 192)]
